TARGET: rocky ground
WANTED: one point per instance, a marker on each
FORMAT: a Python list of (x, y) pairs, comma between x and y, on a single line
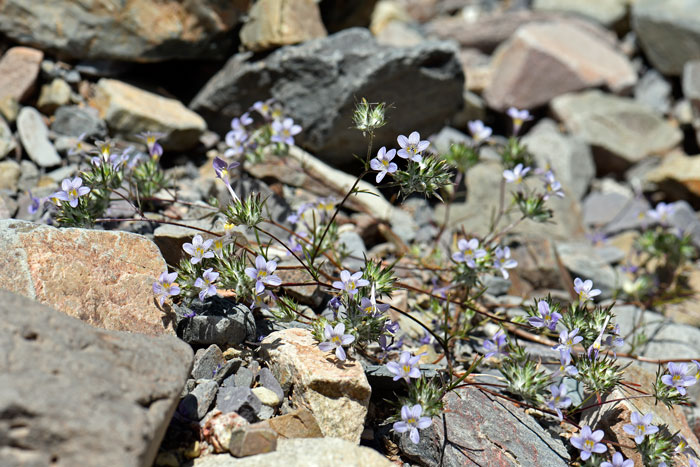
[(94, 372)]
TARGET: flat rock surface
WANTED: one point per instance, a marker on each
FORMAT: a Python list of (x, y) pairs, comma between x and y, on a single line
[(102, 278), (73, 395), (337, 393)]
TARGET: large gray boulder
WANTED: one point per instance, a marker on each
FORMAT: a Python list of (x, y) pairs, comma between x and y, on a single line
[(138, 30), (319, 83), (72, 394)]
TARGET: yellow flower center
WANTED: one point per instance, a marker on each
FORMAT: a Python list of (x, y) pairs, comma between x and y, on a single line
[(406, 369), (150, 140), (335, 339), (411, 421), (385, 163), (588, 445)]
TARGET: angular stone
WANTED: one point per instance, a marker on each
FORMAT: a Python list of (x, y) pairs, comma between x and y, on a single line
[(570, 159), (318, 83), (685, 219), (9, 175), (252, 440), (668, 31), (623, 131), (206, 362), (305, 453), (19, 69), (7, 141), (613, 212), (654, 91), (72, 394), (275, 23), (678, 175), (299, 423), (239, 400), (618, 406), (243, 378), (544, 60), (35, 138), (104, 278), (196, 404), (8, 206), (54, 95), (268, 380), (605, 12), (691, 91), (218, 321), (129, 111), (72, 120), (496, 431), (140, 31), (337, 395)]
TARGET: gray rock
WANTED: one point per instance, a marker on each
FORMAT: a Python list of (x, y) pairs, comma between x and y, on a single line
[(668, 31), (654, 91), (605, 12), (9, 176), (447, 137), (571, 159), (496, 285), (320, 81), (145, 31), (685, 219), (266, 412), (613, 212), (72, 394), (482, 428), (218, 321), (72, 120), (621, 130), (239, 400), (51, 70), (583, 261), (242, 379), (268, 380), (691, 91), (29, 177), (35, 138), (231, 366), (196, 404), (7, 141), (355, 247), (207, 362)]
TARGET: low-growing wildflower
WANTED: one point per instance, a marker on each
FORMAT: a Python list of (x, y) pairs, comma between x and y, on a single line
[(496, 345), (503, 261), (71, 190), (284, 131), (588, 442), (372, 307), (618, 461), (336, 339), (516, 175), (678, 377), (412, 421), (223, 169), (198, 249), (166, 286), (661, 213), (519, 117), (206, 283), (406, 368), (155, 150), (383, 164), (547, 317), (263, 275), (559, 399), (264, 108), (585, 290), (479, 131), (640, 426), (469, 251), (551, 186), (350, 282), (411, 147), (567, 340), (565, 366), (235, 140)]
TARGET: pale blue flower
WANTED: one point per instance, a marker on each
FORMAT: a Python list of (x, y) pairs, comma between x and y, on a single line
[(551, 186), (618, 461), (412, 147), (406, 368), (503, 261), (559, 399), (479, 131), (589, 442), (155, 150), (469, 251), (567, 340), (516, 175), (383, 164), (373, 308), (235, 140), (264, 108), (519, 117), (199, 249), (165, 286), (262, 273), (206, 283), (640, 426), (565, 366), (496, 346), (412, 421), (678, 378), (585, 289), (71, 190), (547, 318), (661, 213), (350, 282), (336, 339), (284, 131)]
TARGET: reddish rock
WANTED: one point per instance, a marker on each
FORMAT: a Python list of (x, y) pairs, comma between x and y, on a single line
[(337, 393), (544, 60), (103, 278), (19, 68), (300, 423)]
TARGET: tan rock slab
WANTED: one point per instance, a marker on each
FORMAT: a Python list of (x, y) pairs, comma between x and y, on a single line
[(679, 168), (337, 393), (252, 440), (544, 60), (275, 23), (103, 278), (19, 68), (129, 110)]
